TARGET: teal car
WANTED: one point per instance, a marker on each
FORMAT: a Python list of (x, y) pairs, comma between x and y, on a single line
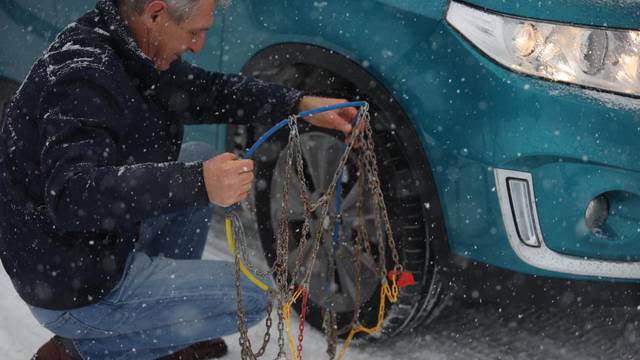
[(506, 131)]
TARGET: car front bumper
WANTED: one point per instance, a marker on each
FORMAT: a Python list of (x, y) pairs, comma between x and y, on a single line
[(479, 121)]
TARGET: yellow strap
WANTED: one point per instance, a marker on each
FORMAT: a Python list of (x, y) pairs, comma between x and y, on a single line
[(286, 308), (287, 324), (386, 292), (243, 268)]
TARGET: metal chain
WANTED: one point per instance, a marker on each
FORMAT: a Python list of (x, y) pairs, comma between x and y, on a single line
[(267, 323), (241, 245), (303, 311), (284, 279), (243, 339), (362, 226), (246, 350), (296, 151), (282, 354), (329, 315), (376, 189), (357, 251)]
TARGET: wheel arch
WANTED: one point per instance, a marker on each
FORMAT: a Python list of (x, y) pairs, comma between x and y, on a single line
[(281, 54)]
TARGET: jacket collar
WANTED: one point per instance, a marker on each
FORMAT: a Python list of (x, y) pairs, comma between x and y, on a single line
[(119, 31)]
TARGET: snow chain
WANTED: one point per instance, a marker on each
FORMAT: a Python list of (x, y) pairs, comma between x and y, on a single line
[(284, 292)]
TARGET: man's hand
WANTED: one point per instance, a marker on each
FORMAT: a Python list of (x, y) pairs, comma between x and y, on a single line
[(227, 179), (339, 119)]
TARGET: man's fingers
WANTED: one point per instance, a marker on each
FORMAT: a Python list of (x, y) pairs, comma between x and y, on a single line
[(243, 166), (245, 179), (347, 115), (339, 119), (244, 190), (241, 190), (244, 195), (344, 125)]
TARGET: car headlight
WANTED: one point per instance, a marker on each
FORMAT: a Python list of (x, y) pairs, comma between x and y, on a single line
[(593, 57)]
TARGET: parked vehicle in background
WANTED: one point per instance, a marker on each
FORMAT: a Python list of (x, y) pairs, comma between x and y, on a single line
[(506, 132)]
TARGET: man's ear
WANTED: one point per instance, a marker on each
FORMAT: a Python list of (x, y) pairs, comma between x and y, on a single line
[(153, 11)]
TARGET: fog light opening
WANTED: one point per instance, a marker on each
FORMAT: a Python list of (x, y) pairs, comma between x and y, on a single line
[(596, 215), (522, 209)]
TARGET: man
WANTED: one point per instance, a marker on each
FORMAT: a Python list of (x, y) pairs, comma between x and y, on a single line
[(92, 193)]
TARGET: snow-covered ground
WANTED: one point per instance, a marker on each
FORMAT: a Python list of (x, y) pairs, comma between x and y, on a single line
[(21, 335), (486, 331)]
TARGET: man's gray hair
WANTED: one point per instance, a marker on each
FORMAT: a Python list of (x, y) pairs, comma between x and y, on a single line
[(179, 10)]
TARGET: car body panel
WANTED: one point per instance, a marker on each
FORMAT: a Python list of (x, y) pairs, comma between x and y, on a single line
[(471, 114), (26, 32)]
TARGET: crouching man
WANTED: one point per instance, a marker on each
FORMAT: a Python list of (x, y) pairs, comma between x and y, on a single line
[(103, 210)]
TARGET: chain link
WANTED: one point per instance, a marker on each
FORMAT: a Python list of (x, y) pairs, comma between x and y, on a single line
[(281, 346), (246, 350), (241, 244), (303, 311)]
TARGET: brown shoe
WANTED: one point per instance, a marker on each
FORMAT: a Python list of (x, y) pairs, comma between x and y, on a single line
[(210, 349), (57, 348)]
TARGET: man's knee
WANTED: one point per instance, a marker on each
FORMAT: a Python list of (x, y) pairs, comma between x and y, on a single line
[(255, 301)]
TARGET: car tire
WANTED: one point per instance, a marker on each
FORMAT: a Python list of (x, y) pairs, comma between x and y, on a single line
[(407, 184)]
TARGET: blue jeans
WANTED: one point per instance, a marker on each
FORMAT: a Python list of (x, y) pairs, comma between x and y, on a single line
[(167, 300)]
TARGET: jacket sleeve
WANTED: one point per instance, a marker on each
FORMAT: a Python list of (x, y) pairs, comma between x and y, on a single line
[(84, 188), (197, 96)]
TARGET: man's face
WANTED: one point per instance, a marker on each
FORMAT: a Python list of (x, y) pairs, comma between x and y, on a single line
[(169, 40)]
